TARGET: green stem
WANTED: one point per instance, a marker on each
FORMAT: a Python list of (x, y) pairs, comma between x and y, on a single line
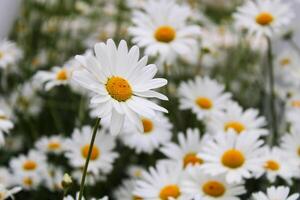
[(88, 159), (294, 45), (272, 91)]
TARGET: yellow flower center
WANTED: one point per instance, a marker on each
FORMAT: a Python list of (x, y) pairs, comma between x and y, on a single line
[(27, 181), (191, 159), (272, 165), (169, 191), (138, 173), (62, 75), (148, 125), (95, 152), (29, 165), (54, 145), (137, 198), (296, 104), (165, 34), (204, 103), (118, 88), (299, 151), (235, 125), (1, 55), (3, 117), (264, 18), (233, 159), (214, 188), (285, 61)]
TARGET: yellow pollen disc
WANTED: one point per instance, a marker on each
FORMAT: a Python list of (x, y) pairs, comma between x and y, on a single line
[(233, 159), (3, 117), (136, 198), (191, 159), (62, 75), (264, 18), (214, 188), (299, 151), (29, 165), (285, 61), (204, 103), (138, 173), (296, 104), (169, 191), (118, 88), (165, 34), (272, 165), (235, 125), (148, 125), (54, 145), (27, 181), (95, 152), (1, 54)]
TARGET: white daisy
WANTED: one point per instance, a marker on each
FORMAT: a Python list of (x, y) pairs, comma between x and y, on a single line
[(69, 197), (236, 120), (9, 54), (53, 178), (156, 131), (278, 163), (290, 142), (185, 153), (236, 156), (5, 121), (162, 182), (6, 193), (205, 97), (125, 191), (275, 193), (5, 177), (264, 18), (161, 26), (135, 171), (292, 108), (102, 156), (207, 187), (120, 84), (91, 179), (27, 181), (53, 144)]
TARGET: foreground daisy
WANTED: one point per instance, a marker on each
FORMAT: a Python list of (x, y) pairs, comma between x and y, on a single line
[(162, 182), (236, 156), (275, 193), (120, 84), (264, 18), (161, 26), (185, 152), (205, 97), (102, 156), (5, 122), (236, 120), (9, 54), (206, 187), (156, 131)]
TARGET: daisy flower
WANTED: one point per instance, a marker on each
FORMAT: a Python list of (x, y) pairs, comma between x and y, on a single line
[(9, 54), (27, 181), (91, 178), (5, 177), (206, 187), (236, 156), (161, 27), (239, 121), (125, 191), (135, 171), (275, 193), (205, 97), (120, 84), (53, 178), (290, 142), (264, 18), (52, 144), (69, 197), (102, 156), (5, 122), (6, 193), (278, 163), (162, 182), (185, 153), (156, 131)]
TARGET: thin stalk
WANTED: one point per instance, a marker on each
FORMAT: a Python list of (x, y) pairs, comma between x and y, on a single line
[(272, 91), (294, 45), (88, 159)]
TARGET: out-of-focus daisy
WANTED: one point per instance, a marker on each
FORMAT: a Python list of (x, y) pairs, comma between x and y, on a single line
[(57, 76), (156, 131), (205, 97), (53, 178), (28, 181), (53, 144), (292, 108), (290, 142), (264, 18), (135, 171), (120, 83), (207, 187), (9, 54), (102, 156), (162, 182), (5, 177), (278, 163), (161, 26), (104, 32), (69, 197), (185, 153), (236, 120), (91, 178), (125, 191), (5, 120), (236, 156), (275, 193), (6, 193)]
